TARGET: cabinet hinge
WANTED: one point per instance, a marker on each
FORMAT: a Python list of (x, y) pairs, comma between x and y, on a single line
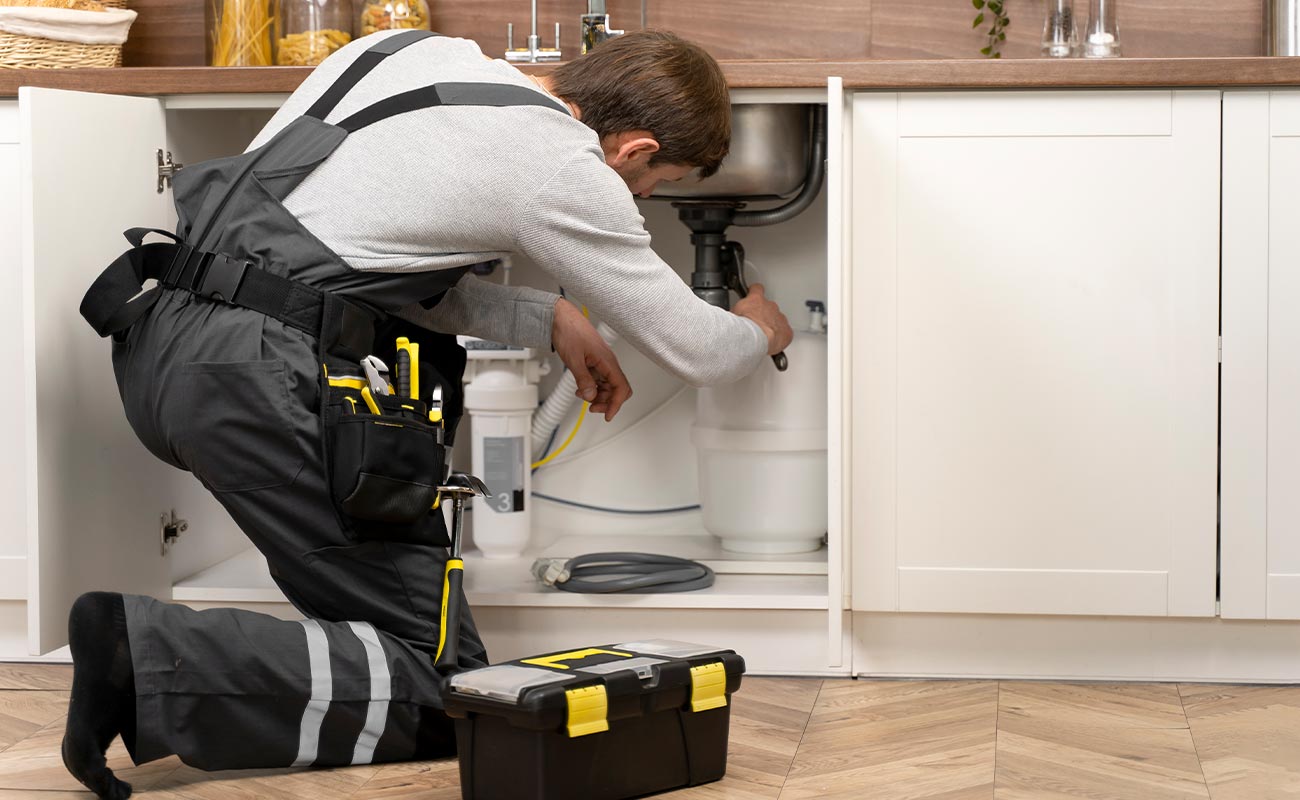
[(1220, 349), (170, 529), (166, 170)]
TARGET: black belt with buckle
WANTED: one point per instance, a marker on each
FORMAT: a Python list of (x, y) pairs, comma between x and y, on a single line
[(112, 306)]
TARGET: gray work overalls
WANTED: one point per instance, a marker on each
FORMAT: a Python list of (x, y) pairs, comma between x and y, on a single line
[(224, 370)]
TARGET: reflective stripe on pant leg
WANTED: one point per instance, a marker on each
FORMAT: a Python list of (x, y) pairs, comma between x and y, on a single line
[(322, 691), (381, 691)]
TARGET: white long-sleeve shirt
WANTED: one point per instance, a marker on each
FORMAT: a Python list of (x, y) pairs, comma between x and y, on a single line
[(449, 186)]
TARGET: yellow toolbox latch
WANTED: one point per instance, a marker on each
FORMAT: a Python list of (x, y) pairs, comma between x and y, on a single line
[(588, 708), (708, 686)]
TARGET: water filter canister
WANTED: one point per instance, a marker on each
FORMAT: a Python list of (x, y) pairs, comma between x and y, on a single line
[(500, 397), (500, 447)]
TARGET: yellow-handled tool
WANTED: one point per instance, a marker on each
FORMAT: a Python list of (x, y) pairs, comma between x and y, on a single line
[(459, 487), (408, 368), (370, 400)]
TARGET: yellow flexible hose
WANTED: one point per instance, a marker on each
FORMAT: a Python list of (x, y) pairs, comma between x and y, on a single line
[(567, 441), (572, 433)]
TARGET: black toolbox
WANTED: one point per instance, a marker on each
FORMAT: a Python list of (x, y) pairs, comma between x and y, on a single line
[(600, 723)]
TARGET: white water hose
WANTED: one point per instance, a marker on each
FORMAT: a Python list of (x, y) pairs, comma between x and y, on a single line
[(561, 399)]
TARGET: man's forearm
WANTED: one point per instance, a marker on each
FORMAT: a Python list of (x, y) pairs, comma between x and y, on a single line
[(516, 315)]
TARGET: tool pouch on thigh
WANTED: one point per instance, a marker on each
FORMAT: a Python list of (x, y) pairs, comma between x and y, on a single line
[(386, 462), (386, 468)]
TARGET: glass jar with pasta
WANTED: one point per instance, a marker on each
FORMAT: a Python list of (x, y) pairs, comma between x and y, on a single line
[(306, 31), (239, 32), (382, 15)]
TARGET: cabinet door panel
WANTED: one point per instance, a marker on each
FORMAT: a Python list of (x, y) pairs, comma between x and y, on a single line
[(1284, 363), (1243, 587), (94, 494), (1035, 114), (13, 526), (837, 281), (1048, 344), (1261, 356)]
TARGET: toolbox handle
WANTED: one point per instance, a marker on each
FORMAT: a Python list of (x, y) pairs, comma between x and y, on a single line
[(553, 661)]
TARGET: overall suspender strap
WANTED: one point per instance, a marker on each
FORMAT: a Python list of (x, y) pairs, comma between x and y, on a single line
[(449, 94), (359, 68), (442, 94)]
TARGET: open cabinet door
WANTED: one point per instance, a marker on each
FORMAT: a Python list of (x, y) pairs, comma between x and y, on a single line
[(94, 494), (838, 321)]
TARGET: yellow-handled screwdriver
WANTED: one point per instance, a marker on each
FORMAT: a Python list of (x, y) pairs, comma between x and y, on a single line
[(408, 368)]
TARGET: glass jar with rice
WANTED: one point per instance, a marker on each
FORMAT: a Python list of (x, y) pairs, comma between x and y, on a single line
[(306, 31), (382, 15)]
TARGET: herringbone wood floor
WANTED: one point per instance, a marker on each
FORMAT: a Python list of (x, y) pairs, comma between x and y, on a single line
[(794, 738)]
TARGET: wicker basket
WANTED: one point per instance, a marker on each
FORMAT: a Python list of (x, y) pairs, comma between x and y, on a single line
[(32, 52), (25, 47)]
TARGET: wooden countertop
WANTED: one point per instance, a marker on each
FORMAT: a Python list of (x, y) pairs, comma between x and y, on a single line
[(866, 74)]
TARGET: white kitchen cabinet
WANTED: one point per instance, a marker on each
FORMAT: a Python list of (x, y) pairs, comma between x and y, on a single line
[(1034, 352), (1261, 355), (94, 495)]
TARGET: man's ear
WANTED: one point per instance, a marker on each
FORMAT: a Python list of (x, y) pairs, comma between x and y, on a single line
[(629, 147)]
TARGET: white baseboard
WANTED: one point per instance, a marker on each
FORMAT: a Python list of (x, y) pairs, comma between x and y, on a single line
[(783, 642), (1075, 648)]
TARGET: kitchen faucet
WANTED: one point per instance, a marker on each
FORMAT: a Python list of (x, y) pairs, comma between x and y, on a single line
[(534, 52), (595, 25)]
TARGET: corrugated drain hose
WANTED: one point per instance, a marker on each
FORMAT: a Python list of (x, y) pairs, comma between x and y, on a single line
[(643, 573), (561, 399)]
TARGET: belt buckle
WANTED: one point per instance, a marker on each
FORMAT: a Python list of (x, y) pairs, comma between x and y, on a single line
[(222, 278)]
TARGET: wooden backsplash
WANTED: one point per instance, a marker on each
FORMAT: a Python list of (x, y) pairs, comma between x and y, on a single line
[(170, 32), (1148, 28)]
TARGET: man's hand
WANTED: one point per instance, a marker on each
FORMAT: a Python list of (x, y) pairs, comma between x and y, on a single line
[(757, 307), (601, 381)]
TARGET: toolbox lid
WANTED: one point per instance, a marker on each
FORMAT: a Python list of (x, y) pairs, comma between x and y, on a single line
[(504, 681), (597, 684), (669, 648)]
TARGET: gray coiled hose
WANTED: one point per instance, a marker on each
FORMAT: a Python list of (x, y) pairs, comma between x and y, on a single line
[(646, 573)]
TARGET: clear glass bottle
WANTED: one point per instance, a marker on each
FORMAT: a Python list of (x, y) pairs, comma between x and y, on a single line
[(306, 31), (382, 15), (1060, 39), (239, 32), (1102, 38)]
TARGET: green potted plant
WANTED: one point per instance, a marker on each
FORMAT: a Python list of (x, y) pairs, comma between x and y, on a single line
[(994, 12)]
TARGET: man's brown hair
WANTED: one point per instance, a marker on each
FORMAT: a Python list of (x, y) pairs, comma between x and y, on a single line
[(654, 81)]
